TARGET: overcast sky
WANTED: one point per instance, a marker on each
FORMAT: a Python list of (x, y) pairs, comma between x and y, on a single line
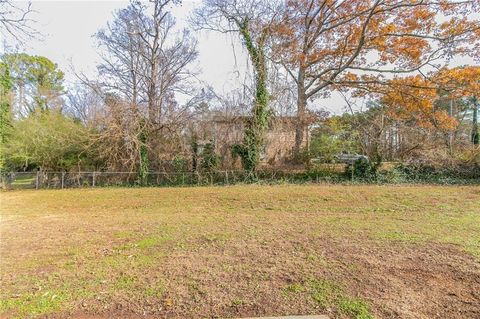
[(68, 28)]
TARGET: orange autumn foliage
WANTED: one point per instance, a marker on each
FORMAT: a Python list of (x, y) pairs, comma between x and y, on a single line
[(413, 98), (327, 45), (319, 41), (459, 82)]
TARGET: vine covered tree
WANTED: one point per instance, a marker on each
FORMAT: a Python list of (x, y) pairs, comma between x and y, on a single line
[(251, 20)]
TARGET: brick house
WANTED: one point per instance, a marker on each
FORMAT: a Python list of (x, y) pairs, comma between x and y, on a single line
[(227, 131)]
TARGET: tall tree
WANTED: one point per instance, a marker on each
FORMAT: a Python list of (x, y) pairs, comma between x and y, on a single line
[(144, 59), (37, 82), (5, 108), (83, 103), (428, 100), (475, 132), (121, 68), (251, 20), (5, 100), (461, 84), (146, 62), (324, 44)]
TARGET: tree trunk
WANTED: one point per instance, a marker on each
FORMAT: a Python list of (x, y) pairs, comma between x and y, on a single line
[(475, 133), (450, 133), (300, 126), (153, 112), (256, 126), (301, 108), (144, 163)]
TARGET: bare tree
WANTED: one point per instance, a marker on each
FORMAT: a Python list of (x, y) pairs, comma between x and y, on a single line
[(121, 68), (83, 103), (145, 60), (146, 63), (15, 20)]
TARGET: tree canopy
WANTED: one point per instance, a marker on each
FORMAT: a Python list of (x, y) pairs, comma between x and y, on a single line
[(37, 82), (145, 106)]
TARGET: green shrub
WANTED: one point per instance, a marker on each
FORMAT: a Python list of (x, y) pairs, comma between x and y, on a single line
[(362, 169), (48, 140), (443, 175)]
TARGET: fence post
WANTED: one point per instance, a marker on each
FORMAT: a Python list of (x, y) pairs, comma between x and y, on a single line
[(226, 177), (93, 179), (63, 179), (36, 181), (10, 180)]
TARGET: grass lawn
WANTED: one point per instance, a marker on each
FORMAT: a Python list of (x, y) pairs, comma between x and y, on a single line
[(209, 252)]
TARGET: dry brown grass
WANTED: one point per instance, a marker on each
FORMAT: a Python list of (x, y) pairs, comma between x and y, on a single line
[(347, 251)]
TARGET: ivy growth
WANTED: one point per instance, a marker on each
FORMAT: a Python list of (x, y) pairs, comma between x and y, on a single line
[(256, 125)]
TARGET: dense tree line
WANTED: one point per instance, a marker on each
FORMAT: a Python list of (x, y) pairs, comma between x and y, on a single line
[(393, 54)]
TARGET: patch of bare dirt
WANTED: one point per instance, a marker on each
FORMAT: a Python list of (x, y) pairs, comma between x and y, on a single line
[(246, 278), (237, 252), (415, 281)]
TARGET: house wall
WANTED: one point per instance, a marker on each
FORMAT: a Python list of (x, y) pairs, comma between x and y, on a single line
[(279, 141)]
